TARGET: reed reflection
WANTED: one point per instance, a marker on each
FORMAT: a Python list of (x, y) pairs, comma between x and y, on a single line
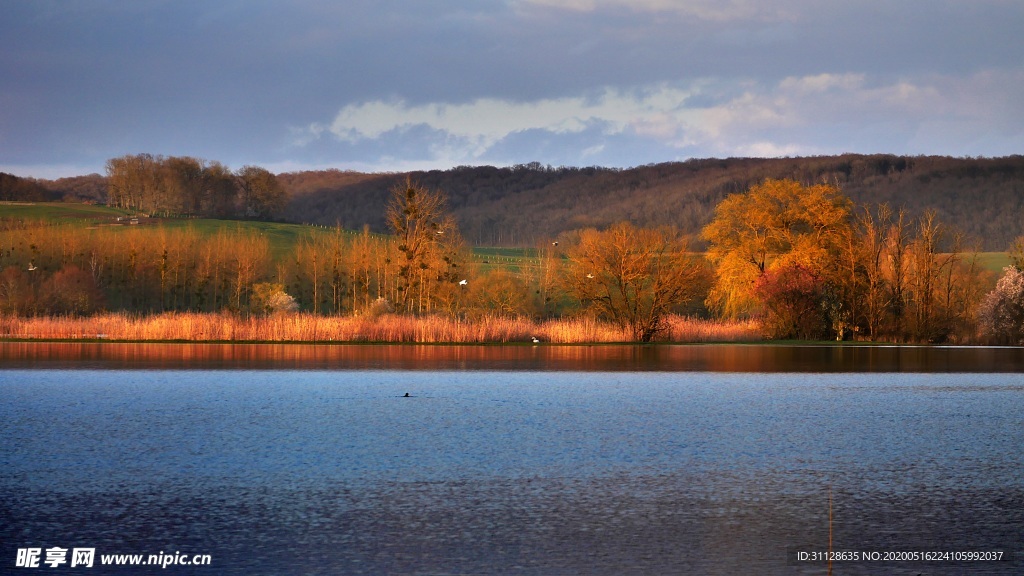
[(631, 358)]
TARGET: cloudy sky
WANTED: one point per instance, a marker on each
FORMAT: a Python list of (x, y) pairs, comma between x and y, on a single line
[(410, 84)]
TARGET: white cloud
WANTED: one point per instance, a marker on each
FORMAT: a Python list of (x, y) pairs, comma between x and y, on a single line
[(716, 10), (483, 120), (821, 83), (771, 150), (832, 113), (481, 123), (813, 114)]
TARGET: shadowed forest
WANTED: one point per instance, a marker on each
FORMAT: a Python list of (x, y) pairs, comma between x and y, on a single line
[(522, 205), (878, 248)]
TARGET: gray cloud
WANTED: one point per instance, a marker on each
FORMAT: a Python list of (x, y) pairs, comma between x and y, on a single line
[(394, 83)]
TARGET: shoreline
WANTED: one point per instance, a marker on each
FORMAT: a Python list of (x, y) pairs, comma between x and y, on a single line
[(524, 344), (761, 357)]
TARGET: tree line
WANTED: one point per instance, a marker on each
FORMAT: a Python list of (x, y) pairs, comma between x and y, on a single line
[(15, 189), (422, 267), (182, 185), (805, 261)]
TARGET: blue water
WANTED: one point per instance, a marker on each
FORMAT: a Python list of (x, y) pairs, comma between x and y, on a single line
[(497, 472)]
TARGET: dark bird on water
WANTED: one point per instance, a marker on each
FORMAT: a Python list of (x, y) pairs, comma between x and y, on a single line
[(406, 395)]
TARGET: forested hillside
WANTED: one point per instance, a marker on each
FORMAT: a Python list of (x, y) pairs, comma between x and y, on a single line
[(525, 204), (17, 189), (91, 188)]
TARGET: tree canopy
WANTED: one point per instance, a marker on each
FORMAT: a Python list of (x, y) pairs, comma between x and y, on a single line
[(182, 185), (775, 223), (633, 276)]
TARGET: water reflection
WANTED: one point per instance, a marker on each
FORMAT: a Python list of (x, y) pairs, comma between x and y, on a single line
[(604, 358)]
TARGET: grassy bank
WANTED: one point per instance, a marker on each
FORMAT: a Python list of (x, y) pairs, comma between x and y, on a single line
[(388, 328), (62, 212)]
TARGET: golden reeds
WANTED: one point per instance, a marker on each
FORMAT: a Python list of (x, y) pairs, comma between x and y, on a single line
[(190, 326), (687, 329)]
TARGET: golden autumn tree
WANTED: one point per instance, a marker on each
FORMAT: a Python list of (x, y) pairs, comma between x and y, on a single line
[(365, 285), (1016, 252), (250, 256), (431, 247), (774, 224), (498, 292), (632, 276)]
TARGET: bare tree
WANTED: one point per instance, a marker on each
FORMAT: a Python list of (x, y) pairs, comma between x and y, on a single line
[(633, 276), (872, 231), (897, 246), (428, 241)]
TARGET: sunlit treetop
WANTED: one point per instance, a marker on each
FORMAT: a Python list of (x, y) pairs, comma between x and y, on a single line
[(775, 223)]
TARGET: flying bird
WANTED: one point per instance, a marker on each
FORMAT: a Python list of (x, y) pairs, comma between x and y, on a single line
[(31, 266)]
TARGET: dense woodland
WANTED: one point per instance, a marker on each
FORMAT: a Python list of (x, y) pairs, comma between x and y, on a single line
[(13, 188)]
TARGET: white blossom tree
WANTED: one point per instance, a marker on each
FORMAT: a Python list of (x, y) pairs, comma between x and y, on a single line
[(1002, 310)]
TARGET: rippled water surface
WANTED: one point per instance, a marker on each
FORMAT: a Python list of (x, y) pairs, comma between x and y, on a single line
[(511, 472)]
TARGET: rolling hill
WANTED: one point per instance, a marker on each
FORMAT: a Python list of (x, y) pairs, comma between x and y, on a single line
[(523, 205), (526, 204)]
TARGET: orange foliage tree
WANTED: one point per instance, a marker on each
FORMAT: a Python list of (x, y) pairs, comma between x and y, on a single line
[(432, 250), (633, 276), (795, 302), (71, 291), (774, 224)]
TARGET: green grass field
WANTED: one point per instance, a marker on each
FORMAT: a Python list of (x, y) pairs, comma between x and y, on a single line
[(282, 237), (58, 211), (487, 258), (994, 261)]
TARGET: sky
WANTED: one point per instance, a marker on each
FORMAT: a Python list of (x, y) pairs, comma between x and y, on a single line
[(395, 85)]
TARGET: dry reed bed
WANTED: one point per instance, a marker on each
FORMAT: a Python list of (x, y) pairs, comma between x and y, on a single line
[(687, 329), (387, 328)]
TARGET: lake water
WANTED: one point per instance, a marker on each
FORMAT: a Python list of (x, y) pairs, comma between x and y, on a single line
[(594, 460)]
